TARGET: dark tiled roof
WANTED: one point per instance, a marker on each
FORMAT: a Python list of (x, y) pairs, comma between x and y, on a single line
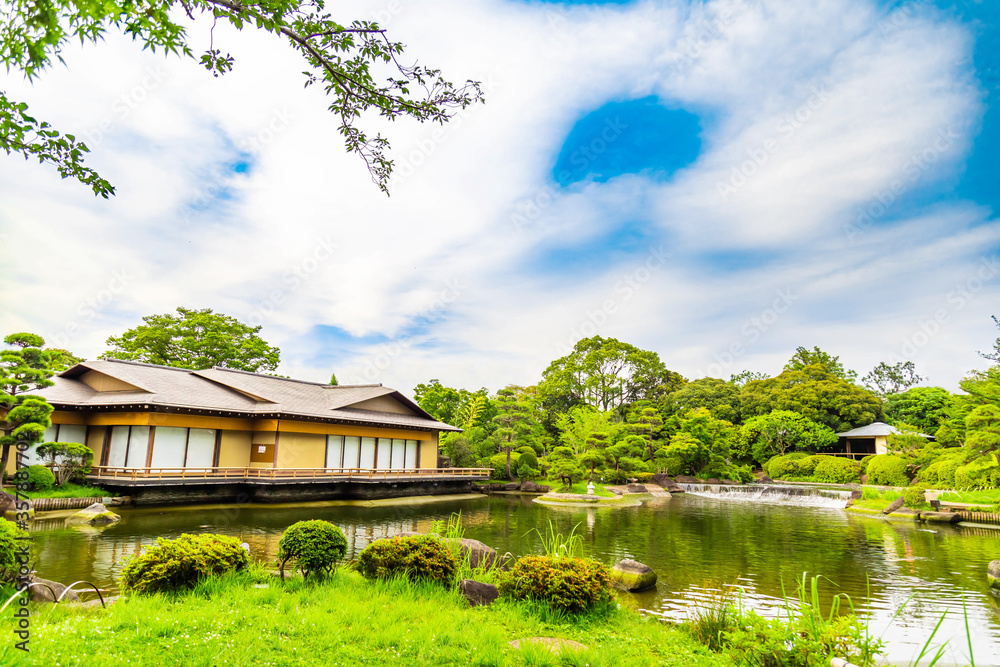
[(229, 391)]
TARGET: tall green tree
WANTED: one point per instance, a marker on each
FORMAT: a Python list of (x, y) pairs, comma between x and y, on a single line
[(813, 392), (24, 366), (513, 421), (607, 374), (926, 408), (355, 63), (887, 379), (982, 428), (721, 398), (582, 426), (780, 432), (645, 422), (195, 339), (993, 356), (804, 357), (333, 379)]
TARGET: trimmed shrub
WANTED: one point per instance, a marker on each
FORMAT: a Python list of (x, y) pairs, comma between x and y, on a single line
[(417, 557), (864, 463), (499, 464), (836, 470), (980, 473), (569, 584), (642, 477), (316, 546), (8, 549), (784, 465), (39, 477), (525, 456), (171, 565), (888, 470), (913, 497)]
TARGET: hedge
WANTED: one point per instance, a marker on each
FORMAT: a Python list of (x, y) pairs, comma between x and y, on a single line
[(836, 470), (416, 557), (568, 584), (888, 470), (171, 565)]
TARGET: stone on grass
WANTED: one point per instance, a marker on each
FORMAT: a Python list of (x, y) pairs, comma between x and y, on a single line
[(635, 488), (993, 574), (895, 505), (43, 590), (95, 515), (477, 593), (633, 576), (533, 487)]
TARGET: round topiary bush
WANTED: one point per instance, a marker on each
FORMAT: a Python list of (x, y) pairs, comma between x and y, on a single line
[(888, 470), (9, 545), (526, 456), (864, 463), (836, 470), (980, 473), (569, 584), (418, 557), (316, 546), (499, 464), (171, 565), (784, 465), (914, 498), (39, 477)]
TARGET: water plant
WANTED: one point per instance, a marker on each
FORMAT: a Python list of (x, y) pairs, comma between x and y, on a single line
[(557, 545)]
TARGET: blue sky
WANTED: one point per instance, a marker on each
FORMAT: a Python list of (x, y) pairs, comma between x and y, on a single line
[(719, 181)]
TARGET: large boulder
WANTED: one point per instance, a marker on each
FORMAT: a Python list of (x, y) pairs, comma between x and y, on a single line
[(43, 590), (764, 479), (478, 593), (95, 515), (533, 487), (940, 517), (635, 488), (666, 483), (895, 505), (687, 479), (633, 576), (10, 507), (993, 574)]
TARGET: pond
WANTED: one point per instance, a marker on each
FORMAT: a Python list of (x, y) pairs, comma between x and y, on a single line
[(901, 576)]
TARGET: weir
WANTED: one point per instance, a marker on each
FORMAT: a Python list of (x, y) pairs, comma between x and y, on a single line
[(802, 496)]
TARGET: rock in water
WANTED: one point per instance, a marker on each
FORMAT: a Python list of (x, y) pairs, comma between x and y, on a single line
[(477, 593), (95, 515), (534, 487), (896, 504), (42, 591), (633, 576), (764, 479), (993, 574), (687, 479), (667, 484)]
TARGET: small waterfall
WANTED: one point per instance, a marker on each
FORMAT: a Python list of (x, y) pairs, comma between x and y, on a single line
[(802, 496)]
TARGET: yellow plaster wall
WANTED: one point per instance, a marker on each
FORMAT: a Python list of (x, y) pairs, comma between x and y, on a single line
[(881, 444), (301, 450), (63, 417), (234, 450), (428, 451), (95, 440)]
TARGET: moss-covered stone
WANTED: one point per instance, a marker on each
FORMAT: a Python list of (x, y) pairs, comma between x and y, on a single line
[(993, 574), (633, 576), (95, 515)]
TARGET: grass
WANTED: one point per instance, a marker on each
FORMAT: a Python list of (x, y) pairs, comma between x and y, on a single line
[(250, 618), (984, 497), (581, 488), (70, 491)]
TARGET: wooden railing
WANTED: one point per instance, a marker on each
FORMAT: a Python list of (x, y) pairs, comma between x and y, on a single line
[(110, 473)]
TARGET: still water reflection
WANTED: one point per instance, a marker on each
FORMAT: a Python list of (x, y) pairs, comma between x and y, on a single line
[(695, 545)]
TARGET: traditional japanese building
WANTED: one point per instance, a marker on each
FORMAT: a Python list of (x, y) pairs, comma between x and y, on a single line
[(187, 433)]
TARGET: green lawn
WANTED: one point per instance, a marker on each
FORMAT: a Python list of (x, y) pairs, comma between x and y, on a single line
[(252, 619), (985, 497), (581, 487), (68, 491)]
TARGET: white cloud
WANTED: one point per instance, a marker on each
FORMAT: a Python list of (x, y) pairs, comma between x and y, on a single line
[(305, 239)]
